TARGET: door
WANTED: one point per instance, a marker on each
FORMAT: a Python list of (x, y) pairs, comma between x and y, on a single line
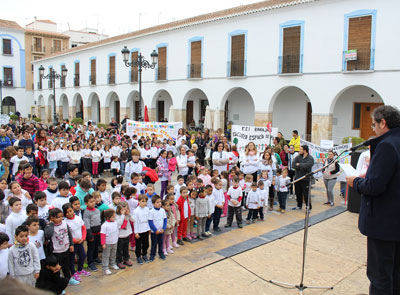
[(309, 122), (117, 112), (137, 110), (366, 120), (189, 112), (160, 111), (226, 115)]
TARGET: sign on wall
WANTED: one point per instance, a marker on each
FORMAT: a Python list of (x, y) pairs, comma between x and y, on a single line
[(241, 135), (160, 129), (350, 55)]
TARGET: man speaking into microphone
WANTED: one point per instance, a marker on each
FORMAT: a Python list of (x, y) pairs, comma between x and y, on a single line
[(379, 218)]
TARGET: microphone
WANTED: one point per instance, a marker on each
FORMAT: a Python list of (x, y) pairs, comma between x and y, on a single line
[(356, 147)]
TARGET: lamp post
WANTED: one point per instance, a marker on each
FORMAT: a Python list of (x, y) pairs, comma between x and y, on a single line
[(1, 96), (53, 76), (140, 63)]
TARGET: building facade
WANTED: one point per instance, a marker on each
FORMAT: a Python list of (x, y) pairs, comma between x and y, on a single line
[(84, 36), (318, 66)]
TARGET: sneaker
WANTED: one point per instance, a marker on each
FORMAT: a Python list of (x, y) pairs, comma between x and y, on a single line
[(97, 261), (247, 221), (240, 226), (170, 248), (271, 209), (194, 236), (115, 267), (84, 273), (73, 282), (92, 267), (186, 239), (165, 252), (63, 292), (200, 238), (127, 263), (204, 235), (217, 229), (76, 277), (121, 265), (180, 242), (327, 203), (227, 225), (139, 260), (283, 211), (162, 256), (151, 258), (107, 272), (253, 221), (170, 251), (332, 204), (209, 234), (175, 245), (145, 259), (296, 208), (262, 219), (279, 210)]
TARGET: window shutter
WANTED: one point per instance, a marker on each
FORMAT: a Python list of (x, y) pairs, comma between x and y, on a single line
[(237, 55), (134, 70), (162, 63), (291, 50)]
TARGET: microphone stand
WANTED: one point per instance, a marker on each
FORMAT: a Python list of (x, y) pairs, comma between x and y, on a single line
[(301, 287)]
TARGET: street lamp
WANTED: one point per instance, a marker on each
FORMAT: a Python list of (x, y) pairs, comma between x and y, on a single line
[(1, 96), (53, 76), (140, 63)]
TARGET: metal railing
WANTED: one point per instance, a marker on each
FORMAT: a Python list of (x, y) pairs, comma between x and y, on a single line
[(8, 82), (161, 73), (290, 63), (195, 70), (134, 76), (111, 78), (39, 85), (92, 79), (76, 80), (38, 49), (62, 82), (236, 68), (361, 62)]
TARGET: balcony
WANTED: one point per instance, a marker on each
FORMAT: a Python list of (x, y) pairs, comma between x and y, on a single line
[(39, 85), (236, 68), (133, 76), (358, 60), (195, 71), (111, 79), (38, 49), (161, 74), (290, 63), (56, 49), (8, 82), (76, 80), (62, 82), (50, 84), (92, 80)]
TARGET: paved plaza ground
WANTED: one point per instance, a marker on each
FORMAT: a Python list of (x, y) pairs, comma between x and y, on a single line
[(241, 261)]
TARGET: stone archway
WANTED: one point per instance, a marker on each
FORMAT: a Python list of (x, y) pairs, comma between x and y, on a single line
[(63, 107), (93, 109), (41, 109), (195, 103), (161, 103), (132, 105), (113, 104), (238, 108)]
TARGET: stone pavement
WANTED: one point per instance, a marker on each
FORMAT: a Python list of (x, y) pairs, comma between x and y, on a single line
[(240, 261)]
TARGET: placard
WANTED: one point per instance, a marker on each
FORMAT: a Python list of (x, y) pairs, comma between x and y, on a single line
[(241, 135), (160, 129)]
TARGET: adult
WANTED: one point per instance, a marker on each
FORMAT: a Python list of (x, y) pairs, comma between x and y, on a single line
[(291, 156), (114, 124), (163, 172), (303, 164), (379, 217), (4, 140), (284, 155), (295, 141), (220, 158), (181, 135), (277, 146), (199, 155), (282, 140), (182, 163), (330, 177), (134, 166), (251, 161), (12, 125)]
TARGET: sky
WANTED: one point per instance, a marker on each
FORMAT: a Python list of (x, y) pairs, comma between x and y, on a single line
[(110, 17)]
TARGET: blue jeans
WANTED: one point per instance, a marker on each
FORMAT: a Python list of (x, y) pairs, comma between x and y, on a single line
[(208, 222), (216, 217), (156, 240), (80, 251), (282, 196)]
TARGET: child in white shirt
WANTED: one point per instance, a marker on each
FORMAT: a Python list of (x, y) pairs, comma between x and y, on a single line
[(252, 203), (281, 184), (177, 187), (109, 240), (43, 207)]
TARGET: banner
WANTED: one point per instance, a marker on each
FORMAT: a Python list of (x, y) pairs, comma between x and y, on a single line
[(242, 135), (160, 129), (4, 119), (320, 153)]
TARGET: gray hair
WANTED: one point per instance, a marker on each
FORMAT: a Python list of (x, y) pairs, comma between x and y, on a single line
[(389, 113)]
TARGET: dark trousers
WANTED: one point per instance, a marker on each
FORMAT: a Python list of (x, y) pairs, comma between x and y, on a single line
[(271, 196), (93, 249), (87, 164), (142, 244), (252, 214), (237, 211), (157, 241), (301, 189), (244, 199), (208, 222), (282, 196), (291, 175), (260, 212), (383, 267), (123, 250), (216, 217), (63, 260), (80, 251), (63, 168), (164, 185)]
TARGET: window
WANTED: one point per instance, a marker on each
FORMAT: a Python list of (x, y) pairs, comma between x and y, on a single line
[(290, 59), (76, 78), (111, 71), (8, 77), (237, 55), (56, 45), (195, 67), (134, 77), (40, 85), (62, 79), (37, 44), (50, 80), (92, 77), (162, 63), (356, 115), (7, 46)]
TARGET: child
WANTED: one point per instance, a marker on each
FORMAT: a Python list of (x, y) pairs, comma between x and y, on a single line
[(116, 199), (83, 188), (92, 220), (219, 201), (158, 224), (135, 183), (43, 180), (178, 186), (31, 158), (76, 206), (15, 219), (51, 191), (115, 166), (204, 176), (102, 188), (99, 202), (43, 208), (225, 187), (235, 196), (171, 164), (268, 179), (248, 180), (282, 188), (109, 241), (17, 191), (124, 220), (36, 236), (73, 171), (49, 278), (170, 190), (263, 198), (96, 158), (184, 209), (171, 221), (141, 230), (202, 212), (4, 210), (78, 232), (23, 258), (106, 154), (252, 203), (3, 255), (63, 195), (15, 160), (60, 235), (150, 193), (209, 196), (191, 160), (52, 159), (192, 204), (177, 215)]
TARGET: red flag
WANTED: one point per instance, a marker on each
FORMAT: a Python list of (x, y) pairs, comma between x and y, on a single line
[(146, 114)]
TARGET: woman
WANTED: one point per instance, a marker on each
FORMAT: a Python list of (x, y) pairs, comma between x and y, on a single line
[(182, 163), (220, 158), (330, 177), (162, 171), (251, 161), (192, 140), (282, 140), (198, 154), (284, 156), (181, 135)]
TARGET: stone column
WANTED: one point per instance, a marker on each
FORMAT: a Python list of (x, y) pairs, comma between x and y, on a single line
[(87, 113), (60, 113), (72, 113), (180, 116), (262, 119), (152, 114), (105, 115), (49, 114), (321, 127)]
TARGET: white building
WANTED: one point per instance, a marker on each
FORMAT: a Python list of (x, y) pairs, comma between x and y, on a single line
[(316, 66), (84, 36), (12, 64)]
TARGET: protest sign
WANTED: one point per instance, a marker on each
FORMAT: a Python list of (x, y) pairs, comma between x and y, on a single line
[(4, 119), (242, 135), (160, 129)]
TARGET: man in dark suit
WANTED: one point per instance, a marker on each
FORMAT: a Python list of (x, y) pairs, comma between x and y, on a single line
[(379, 218)]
